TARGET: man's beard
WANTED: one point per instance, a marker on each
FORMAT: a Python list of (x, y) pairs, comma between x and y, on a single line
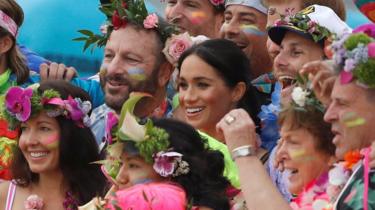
[(117, 99)]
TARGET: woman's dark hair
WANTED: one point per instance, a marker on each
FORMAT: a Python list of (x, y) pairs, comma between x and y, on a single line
[(233, 67), (312, 120), (205, 184), (78, 149), (15, 60)]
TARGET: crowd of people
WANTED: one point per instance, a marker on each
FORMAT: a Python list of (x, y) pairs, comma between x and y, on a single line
[(219, 104)]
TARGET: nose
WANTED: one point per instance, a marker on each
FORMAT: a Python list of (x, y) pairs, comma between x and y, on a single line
[(282, 152), (174, 12), (29, 137), (123, 176), (331, 113), (273, 49), (187, 96), (281, 62), (114, 67), (231, 29)]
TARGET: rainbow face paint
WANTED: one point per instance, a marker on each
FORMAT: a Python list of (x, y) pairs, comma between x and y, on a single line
[(252, 30), (51, 142), (197, 17), (137, 74)]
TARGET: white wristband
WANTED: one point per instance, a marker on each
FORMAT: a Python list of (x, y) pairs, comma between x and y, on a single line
[(242, 151)]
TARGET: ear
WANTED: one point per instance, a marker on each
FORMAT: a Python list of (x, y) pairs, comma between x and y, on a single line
[(5, 44), (238, 91), (165, 73)]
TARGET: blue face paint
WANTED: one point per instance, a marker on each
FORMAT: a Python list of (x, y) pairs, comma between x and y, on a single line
[(144, 181)]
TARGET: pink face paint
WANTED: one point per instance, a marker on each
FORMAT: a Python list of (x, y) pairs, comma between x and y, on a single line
[(51, 142)]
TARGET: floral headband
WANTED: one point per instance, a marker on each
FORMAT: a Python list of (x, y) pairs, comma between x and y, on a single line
[(302, 22), (178, 44), (303, 96), (354, 56), (151, 142), (21, 104), (119, 13), (8, 23)]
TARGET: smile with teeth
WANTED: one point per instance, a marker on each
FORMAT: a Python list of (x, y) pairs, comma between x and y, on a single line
[(38, 154), (194, 110), (287, 81)]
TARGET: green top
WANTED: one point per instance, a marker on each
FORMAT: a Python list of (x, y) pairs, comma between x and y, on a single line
[(230, 169), (5, 83)]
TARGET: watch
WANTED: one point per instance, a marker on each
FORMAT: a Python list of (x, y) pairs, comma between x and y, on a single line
[(242, 151)]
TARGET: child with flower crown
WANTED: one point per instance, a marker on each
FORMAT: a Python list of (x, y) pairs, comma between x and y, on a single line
[(51, 166), (164, 150)]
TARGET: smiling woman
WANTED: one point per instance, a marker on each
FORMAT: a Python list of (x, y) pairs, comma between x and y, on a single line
[(52, 163), (214, 78)]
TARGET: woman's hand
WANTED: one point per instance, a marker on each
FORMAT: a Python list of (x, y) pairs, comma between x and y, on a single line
[(238, 129)]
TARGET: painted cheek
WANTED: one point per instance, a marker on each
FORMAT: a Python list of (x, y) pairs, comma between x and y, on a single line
[(51, 142), (252, 30), (197, 17)]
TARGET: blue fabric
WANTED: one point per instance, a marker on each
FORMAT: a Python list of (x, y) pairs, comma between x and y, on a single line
[(33, 60), (280, 179), (92, 87), (98, 121), (268, 116)]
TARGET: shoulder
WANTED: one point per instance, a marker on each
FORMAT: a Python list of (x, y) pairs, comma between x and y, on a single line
[(4, 186)]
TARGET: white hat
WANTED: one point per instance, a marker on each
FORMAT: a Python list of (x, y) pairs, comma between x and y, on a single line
[(256, 4), (321, 15)]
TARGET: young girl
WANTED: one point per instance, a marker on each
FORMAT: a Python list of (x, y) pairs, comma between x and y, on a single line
[(51, 167)]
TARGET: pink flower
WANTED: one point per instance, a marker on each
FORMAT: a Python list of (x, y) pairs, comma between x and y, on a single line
[(17, 102), (33, 202), (217, 2), (371, 50), (166, 162), (112, 120), (346, 77), (176, 45), (151, 21)]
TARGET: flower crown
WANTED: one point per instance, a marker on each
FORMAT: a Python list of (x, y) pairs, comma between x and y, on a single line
[(151, 142), (303, 96), (21, 104), (354, 56), (302, 22), (119, 13)]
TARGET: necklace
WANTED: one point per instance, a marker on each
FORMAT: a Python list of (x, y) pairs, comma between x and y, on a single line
[(34, 202)]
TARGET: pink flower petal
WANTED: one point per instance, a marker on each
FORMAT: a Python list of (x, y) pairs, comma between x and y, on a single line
[(346, 77)]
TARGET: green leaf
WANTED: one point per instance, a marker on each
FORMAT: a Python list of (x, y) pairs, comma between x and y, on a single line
[(80, 39), (86, 32)]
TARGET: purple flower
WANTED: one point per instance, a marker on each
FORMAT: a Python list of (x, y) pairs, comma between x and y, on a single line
[(112, 120), (166, 162), (349, 65), (18, 103), (72, 106)]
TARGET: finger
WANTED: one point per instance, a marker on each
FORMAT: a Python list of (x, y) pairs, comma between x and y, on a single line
[(61, 70), (70, 73), (311, 67), (43, 71), (328, 86), (53, 69)]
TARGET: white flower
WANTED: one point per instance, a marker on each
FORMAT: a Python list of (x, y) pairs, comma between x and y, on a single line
[(299, 96), (337, 175), (132, 129)]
